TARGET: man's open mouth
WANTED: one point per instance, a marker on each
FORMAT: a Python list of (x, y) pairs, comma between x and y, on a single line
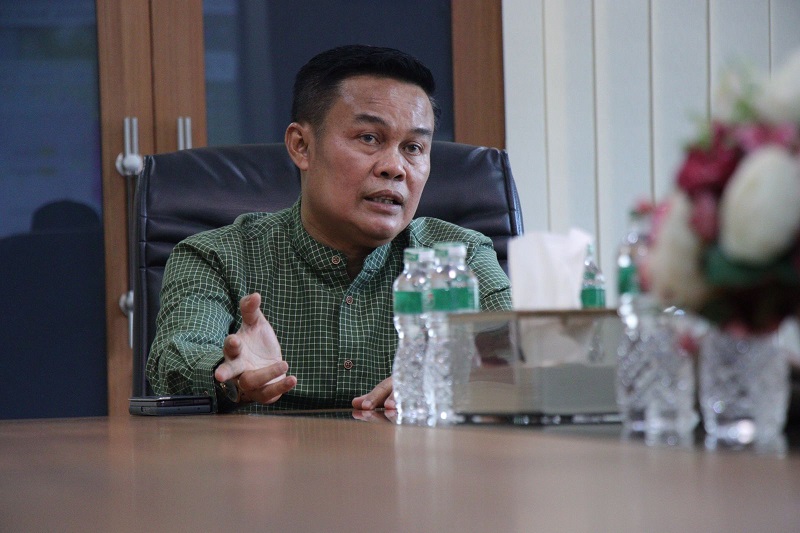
[(386, 198), (384, 201)]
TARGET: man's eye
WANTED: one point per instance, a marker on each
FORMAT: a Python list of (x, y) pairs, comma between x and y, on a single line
[(414, 149), (369, 138)]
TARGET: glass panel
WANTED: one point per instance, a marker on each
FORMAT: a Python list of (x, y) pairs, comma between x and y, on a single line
[(255, 48), (552, 366), (51, 238)]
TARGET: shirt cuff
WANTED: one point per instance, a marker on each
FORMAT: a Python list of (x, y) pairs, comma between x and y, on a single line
[(203, 381)]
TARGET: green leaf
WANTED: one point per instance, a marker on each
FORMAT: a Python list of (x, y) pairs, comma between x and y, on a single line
[(723, 272)]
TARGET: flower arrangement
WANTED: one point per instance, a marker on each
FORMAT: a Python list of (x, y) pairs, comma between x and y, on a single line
[(727, 241)]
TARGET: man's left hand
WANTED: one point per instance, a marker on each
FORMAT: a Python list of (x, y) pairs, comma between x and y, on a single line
[(380, 396)]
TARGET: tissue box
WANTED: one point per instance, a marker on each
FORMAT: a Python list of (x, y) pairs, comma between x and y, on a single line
[(550, 365)]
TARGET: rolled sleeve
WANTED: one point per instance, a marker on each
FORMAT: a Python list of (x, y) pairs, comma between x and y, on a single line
[(196, 315)]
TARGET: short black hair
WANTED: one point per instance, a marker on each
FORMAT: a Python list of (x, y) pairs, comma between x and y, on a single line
[(317, 83)]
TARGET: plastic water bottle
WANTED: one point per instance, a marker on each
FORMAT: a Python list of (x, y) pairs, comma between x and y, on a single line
[(645, 336), (633, 252), (593, 288), (454, 289), (411, 290), (636, 364)]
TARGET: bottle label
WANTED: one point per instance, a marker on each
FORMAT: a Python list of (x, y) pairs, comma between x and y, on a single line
[(407, 302), (463, 299), (628, 280), (593, 297), (441, 299), (454, 299)]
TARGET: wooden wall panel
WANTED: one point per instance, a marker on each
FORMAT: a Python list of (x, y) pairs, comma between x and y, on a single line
[(525, 110), (680, 83), (784, 30), (622, 108), (123, 35), (738, 32), (151, 68), (569, 93), (178, 71), (478, 103)]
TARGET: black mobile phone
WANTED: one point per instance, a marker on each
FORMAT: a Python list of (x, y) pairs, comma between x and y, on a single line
[(169, 405)]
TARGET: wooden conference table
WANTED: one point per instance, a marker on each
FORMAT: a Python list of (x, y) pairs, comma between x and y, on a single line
[(310, 473)]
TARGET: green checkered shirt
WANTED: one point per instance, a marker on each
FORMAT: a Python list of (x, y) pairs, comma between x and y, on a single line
[(337, 335)]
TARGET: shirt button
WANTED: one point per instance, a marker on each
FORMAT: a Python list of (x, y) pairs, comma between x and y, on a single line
[(348, 300), (336, 259), (348, 364)]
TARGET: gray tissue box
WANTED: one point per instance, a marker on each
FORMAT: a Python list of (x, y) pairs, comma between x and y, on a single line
[(550, 363)]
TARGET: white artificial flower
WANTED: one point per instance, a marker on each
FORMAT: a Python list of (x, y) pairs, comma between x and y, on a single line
[(674, 263), (779, 101), (760, 208), (737, 84)]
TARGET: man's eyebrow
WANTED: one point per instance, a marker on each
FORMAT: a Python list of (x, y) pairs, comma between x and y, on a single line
[(424, 132), (371, 119), (374, 119)]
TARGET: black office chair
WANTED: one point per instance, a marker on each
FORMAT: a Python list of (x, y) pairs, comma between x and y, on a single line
[(52, 288), (181, 193)]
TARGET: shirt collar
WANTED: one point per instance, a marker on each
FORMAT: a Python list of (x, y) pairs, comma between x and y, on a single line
[(324, 258)]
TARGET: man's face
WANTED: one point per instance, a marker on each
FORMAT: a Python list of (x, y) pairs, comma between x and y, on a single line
[(364, 171)]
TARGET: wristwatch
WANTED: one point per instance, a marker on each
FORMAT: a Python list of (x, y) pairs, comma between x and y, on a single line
[(229, 396), (229, 390)]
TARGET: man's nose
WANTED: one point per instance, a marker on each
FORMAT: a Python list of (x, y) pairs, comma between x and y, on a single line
[(391, 165)]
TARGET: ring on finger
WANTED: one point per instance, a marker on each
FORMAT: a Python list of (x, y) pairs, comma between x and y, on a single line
[(242, 397)]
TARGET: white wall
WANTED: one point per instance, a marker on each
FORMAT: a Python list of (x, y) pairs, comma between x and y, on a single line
[(600, 96)]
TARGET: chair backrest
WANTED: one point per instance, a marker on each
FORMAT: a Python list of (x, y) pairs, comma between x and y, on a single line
[(182, 193), (53, 275)]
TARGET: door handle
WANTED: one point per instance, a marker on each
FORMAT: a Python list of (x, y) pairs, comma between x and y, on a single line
[(126, 306), (184, 133), (130, 162)]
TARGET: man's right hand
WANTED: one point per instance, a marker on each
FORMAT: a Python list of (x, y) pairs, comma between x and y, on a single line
[(253, 356)]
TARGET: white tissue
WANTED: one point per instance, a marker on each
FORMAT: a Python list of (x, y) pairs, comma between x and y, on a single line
[(546, 269)]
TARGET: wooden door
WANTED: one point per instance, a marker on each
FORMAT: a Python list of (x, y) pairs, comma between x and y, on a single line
[(151, 68)]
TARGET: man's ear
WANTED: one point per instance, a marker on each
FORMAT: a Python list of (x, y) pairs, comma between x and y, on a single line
[(297, 139)]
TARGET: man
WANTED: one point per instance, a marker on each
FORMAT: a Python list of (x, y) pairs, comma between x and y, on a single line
[(308, 289)]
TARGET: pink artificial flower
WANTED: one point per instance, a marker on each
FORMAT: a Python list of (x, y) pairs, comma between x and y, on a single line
[(659, 214), (710, 167), (704, 219), (660, 211), (690, 344), (753, 136), (644, 207)]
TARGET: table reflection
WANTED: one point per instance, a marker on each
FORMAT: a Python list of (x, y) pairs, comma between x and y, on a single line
[(605, 428)]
